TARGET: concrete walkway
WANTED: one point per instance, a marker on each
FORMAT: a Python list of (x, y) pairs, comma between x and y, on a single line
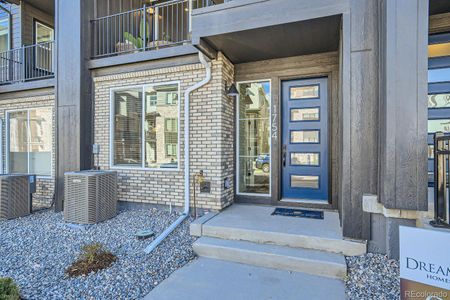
[(205, 279)]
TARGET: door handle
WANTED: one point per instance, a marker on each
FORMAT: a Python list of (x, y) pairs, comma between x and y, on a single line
[(284, 156)]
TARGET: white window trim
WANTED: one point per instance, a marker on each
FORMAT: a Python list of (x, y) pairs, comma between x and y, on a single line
[(111, 128), (8, 112), (238, 138), (36, 23)]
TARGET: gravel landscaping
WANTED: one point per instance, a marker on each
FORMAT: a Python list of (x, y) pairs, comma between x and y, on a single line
[(36, 250), (372, 276)]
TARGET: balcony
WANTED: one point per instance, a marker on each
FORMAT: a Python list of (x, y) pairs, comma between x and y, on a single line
[(27, 63), (151, 27)]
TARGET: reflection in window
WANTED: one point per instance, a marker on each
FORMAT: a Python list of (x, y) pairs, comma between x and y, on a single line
[(305, 114), (308, 182), (439, 125), (304, 92), (30, 141), (439, 101), (304, 136), (146, 126), (305, 159), (161, 126), (4, 34), (128, 127), (431, 151), (254, 137)]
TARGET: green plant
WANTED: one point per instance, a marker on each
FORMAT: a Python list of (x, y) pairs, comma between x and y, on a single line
[(94, 257), (138, 41), (8, 289)]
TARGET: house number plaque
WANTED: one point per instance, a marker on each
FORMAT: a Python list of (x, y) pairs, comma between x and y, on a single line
[(274, 122)]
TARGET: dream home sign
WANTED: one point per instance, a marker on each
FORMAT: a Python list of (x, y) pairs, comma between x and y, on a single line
[(424, 264)]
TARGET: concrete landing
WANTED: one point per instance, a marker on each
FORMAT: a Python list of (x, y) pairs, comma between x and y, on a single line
[(256, 224), (205, 279)]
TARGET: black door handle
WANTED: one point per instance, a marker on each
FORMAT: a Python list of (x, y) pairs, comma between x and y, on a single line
[(284, 155)]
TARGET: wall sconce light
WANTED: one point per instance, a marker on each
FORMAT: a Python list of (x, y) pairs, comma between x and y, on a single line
[(231, 90)]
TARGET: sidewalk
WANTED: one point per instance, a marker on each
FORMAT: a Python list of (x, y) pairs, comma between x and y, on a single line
[(205, 279)]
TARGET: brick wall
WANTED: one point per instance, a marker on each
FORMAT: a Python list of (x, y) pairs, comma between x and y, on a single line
[(212, 136), (45, 185)]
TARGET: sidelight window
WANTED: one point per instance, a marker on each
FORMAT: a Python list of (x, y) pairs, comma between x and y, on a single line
[(254, 146)]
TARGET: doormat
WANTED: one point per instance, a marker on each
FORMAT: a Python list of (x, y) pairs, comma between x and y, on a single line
[(299, 213)]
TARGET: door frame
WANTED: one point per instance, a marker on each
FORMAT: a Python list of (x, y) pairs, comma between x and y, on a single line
[(300, 67)]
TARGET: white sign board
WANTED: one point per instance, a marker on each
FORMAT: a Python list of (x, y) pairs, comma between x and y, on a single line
[(424, 264)]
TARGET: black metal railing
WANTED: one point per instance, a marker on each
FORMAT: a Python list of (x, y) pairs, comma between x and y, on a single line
[(441, 180), (147, 28), (27, 63)]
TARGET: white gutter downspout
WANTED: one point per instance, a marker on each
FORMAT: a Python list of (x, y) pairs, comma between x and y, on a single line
[(187, 192)]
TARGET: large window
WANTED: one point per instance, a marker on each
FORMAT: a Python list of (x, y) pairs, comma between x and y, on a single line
[(29, 147), (4, 33), (145, 126), (254, 166)]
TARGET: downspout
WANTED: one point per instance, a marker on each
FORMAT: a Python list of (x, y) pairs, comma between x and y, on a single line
[(187, 192)]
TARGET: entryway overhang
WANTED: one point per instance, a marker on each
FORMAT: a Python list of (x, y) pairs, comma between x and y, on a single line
[(254, 30)]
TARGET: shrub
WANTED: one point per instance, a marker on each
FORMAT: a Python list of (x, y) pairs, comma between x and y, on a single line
[(8, 289), (94, 257)]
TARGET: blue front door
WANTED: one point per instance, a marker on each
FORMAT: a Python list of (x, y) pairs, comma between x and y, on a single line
[(305, 140)]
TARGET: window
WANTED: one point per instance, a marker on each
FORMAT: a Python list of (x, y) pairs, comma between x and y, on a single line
[(145, 130), (4, 34), (253, 161), (438, 50), (43, 36), (29, 145), (43, 33)]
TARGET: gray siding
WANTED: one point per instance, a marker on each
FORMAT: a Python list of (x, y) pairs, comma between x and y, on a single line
[(29, 14)]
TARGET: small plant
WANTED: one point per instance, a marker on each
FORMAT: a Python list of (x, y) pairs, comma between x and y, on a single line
[(94, 257), (8, 289)]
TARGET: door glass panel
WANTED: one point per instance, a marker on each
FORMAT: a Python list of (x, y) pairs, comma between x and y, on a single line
[(305, 159), (254, 138), (439, 101), (305, 114), (304, 136), (303, 181), (442, 125), (304, 92)]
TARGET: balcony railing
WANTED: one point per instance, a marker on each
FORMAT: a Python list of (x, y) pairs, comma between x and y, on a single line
[(27, 63), (150, 27), (441, 180)]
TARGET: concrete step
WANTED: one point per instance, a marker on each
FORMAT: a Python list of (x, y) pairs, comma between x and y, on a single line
[(308, 261), (311, 240)]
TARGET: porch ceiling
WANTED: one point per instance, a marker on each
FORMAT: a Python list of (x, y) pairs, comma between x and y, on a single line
[(292, 39)]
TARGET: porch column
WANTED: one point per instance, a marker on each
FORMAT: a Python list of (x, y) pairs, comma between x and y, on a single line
[(73, 91), (403, 104), (403, 118)]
